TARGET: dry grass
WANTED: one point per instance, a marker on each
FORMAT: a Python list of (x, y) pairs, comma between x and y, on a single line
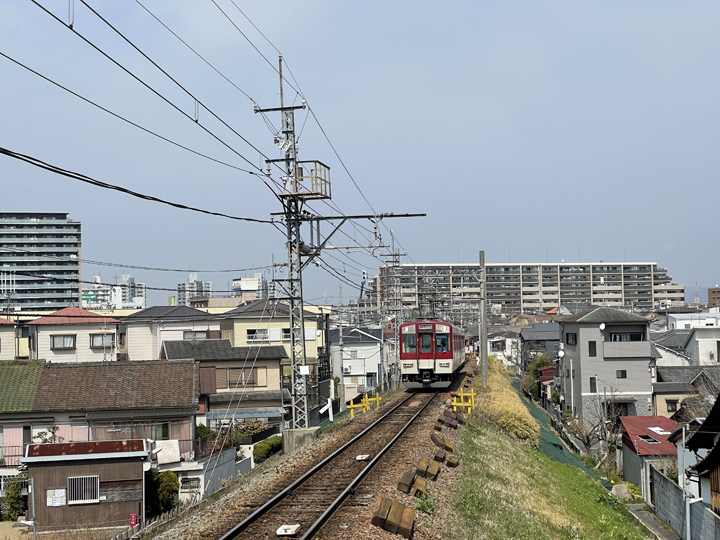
[(501, 405)]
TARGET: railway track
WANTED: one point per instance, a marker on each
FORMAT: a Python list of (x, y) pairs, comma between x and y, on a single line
[(312, 499)]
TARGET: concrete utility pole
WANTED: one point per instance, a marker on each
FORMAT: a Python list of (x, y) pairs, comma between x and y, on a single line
[(482, 322)]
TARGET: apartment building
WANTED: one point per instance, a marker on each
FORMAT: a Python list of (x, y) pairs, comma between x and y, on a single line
[(193, 288), (40, 259), (521, 287)]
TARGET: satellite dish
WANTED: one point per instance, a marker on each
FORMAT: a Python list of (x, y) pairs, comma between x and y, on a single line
[(561, 354), (602, 326)]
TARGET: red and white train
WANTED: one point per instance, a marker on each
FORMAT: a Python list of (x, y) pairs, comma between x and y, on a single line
[(430, 353)]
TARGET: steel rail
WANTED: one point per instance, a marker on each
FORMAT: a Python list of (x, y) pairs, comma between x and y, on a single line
[(245, 523), (315, 527)]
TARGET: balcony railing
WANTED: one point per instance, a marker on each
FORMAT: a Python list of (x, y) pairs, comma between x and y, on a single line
[(626, 349), (10, 456)]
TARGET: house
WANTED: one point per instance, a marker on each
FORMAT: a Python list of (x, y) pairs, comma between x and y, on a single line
[(645, 442), (540, 339), (705, 437), (670, 345), (363, 364), (267, 322), (545, 385), (687, 321), (685, 392), (605, 360), (141, 334), (504, 345), (7, 340), (244, 383), (73, 334), (94, 484), (703, 345), (113, 401)]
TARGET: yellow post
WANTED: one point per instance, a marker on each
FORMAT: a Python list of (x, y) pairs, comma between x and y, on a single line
[(353, 406), (376, 399)]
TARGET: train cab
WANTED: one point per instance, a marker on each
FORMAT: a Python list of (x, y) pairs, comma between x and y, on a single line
[(430, 353)]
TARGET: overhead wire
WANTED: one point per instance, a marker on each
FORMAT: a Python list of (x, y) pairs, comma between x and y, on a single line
[(129, 266), (88, 180), (118, 116), (157, 93)]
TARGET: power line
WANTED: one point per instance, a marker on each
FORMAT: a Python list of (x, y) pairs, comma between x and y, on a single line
[(130, 266), (82, 178), (123, 118), (186, 115)]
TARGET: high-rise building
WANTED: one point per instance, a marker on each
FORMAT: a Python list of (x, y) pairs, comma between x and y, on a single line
[(193, 288), (249, 289), (437, 289), (133, 292), (39, 260)]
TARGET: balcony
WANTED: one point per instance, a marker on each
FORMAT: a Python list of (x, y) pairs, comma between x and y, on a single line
[(10, 456), (626, 349)]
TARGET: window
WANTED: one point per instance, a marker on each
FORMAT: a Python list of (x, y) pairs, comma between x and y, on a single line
[(571, 339), (425, 343), (592, 348), (286, 333), (621, 374), (671, 405), (160, 431), (259, 334), (593, 385), (648, 439), (83, 490), (102, 341), (627, 336), (192, 334), (59, 343), (232, 378), (408, 343), (190, 484), (442, 343)]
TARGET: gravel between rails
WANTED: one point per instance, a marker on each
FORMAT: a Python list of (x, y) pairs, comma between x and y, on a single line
[(225, 509)]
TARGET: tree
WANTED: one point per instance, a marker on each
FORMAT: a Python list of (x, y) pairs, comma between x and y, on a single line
[(167, 490), (15, 501), (49, 436), (536, 364)]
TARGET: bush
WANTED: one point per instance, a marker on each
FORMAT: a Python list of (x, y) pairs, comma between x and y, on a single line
[(160, 492), (556, 397), (203, 431), (265, 449), (425, 503), (15, 501), (540, 361)]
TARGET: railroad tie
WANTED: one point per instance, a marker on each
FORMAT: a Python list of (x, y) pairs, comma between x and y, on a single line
[(437, 426), (433, 470), (407, 522), (447, 445), (406, 481), (422, 466), (420, 486), (437, 440), (392, 524), (440, 456), (454, 461), (453, 424), (381, 514)]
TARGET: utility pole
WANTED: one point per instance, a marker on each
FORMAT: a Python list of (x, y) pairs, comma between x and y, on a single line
[(482, 322), (316, 186)]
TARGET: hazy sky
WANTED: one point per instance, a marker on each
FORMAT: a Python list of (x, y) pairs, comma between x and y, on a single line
[(533, 130)]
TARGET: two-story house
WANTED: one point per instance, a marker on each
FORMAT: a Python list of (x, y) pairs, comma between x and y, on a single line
[(267, 322), (73, 335), (141, 334), (703, 345), (605, 359), (244, 382), (362, 364)]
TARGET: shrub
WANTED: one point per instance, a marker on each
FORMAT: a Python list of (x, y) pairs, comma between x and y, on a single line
[(15, 501), (556, 397), (540, 361), (265, 449), (203, 431), (535, 391), (425, 503), (244, 429), (167, 490)]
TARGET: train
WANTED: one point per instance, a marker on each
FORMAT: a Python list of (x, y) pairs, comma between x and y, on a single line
[(431, 352)]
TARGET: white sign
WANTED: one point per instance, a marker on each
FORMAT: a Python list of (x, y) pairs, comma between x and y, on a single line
[(55, 497)]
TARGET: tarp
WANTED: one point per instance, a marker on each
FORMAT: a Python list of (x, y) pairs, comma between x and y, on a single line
[(551, 445)]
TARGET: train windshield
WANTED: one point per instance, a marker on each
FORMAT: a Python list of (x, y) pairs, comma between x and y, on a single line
[(408, 343), (425, 343), (442, 343)]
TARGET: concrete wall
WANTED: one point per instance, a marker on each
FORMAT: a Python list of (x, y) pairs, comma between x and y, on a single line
[(670, 508)]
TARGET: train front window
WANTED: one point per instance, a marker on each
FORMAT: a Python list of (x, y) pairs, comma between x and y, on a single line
[(425, 343), (442, 343), (408, 343)]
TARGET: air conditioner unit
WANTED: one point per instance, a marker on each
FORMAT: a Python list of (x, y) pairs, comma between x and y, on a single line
[(346, 369)]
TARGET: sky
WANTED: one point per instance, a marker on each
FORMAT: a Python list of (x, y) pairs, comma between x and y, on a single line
[(536, 131)]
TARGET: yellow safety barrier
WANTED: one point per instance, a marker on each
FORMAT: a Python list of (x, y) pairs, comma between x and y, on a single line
[(362, 405), (377, 399), (459, 401)]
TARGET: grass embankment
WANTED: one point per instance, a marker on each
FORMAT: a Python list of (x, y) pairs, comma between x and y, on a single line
[(507, 489)]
